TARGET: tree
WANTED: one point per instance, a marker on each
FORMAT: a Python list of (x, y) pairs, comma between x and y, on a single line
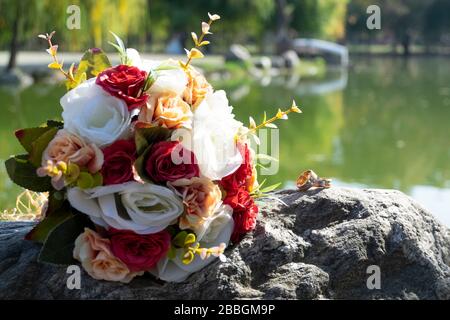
[(15, 23), (437, 22), (403, 21)]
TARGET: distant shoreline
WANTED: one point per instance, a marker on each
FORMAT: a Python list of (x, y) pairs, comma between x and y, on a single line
[(38, 60)]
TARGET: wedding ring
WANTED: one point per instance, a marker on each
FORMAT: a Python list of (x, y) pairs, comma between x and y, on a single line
[(309, 179)]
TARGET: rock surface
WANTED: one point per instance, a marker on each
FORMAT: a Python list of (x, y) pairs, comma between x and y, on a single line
[(317, 246)]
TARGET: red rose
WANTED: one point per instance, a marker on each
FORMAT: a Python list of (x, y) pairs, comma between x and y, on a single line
[(241, 177), (119, 159), (160, 165), (244, 213), (139, 252), (125, 83)]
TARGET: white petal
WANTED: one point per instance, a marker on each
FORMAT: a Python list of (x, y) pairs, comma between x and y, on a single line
[(214, 131), (101, 203), (134, 57)]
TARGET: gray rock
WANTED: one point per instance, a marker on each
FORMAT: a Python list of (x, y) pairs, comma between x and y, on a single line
[(238, 52), (15, 78), (317, 246), (291, 59)]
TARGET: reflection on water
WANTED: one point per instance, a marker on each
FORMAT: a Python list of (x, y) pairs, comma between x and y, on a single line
[(383, 125), (387, 128)]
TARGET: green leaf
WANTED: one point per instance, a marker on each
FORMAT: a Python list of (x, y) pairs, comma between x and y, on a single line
[(41, 231), (119, 41), (172, 253), (27, 136), (23, 173), (260, 185), (120, 46), (180, 239), (39, 145), (165, 67), (85, 180), (270, 188), (98, 179), (58, 247), (139, 165), (266, 157), (93, 62), (55, 124), (151, 78), (146, 137), (56, 199)]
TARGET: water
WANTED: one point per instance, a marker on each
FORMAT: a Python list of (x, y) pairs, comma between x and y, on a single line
[(384, 124)]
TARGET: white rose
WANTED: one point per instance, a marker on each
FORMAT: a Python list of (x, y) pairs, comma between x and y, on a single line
[(214, 224), (94, 114), (213, 136), (176, 271), (172, 80), (134, 57), (143, 208)]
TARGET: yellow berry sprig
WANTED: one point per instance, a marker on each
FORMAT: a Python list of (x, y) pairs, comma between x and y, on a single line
[(190, 247), (268, 123), (204, 253), (52, 51), (195, 53)]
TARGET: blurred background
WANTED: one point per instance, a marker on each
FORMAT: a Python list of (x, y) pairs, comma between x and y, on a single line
[(376, 102)]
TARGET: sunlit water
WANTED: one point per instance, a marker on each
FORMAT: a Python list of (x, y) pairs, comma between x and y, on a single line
[(382, 124)]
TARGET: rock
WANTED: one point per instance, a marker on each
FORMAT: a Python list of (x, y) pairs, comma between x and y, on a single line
[(15, 78), (316, 246), (238, 52), (291, 59)]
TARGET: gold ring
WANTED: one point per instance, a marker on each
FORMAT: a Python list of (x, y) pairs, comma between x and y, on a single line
[(309, 179)]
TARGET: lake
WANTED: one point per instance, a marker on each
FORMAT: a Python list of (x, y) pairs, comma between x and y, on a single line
[(384, 123)]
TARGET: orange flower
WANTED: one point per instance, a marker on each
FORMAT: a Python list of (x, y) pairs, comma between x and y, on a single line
[(95, 256), (67, 147), (201, 197), (196, 89), (168, 111)]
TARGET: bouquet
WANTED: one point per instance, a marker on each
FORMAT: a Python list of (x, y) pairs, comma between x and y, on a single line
[(149, 171)]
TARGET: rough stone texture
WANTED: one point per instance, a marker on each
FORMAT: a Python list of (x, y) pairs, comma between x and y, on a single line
[(317, 247)]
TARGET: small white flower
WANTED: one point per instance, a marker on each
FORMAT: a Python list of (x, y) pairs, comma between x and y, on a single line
[(222, 258), (213, 17), (205, 28)]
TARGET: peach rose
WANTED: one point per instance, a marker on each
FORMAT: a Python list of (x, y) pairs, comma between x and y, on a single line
[(196, 89), (169, 111), (201, 198), (67, 147), (95, 256)]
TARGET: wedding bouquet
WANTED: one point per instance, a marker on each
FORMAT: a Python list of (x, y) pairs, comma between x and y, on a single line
[(149, 171)]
